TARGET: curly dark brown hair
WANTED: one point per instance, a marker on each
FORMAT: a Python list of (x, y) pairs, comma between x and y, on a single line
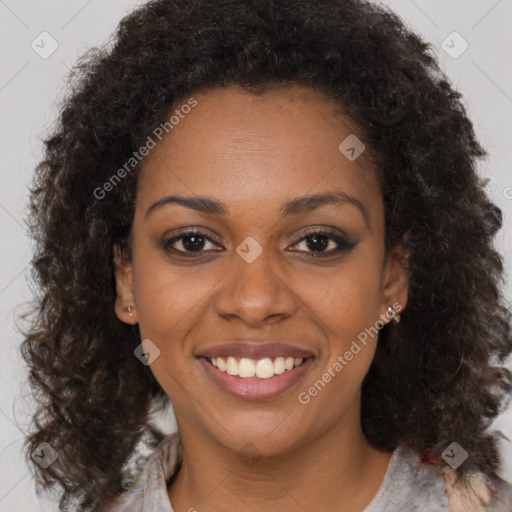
[(435, 378)]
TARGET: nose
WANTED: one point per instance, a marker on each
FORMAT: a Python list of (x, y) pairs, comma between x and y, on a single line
[(257, 293)]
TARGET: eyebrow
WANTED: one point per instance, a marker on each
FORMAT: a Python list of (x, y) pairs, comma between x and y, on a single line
[(295, 206)]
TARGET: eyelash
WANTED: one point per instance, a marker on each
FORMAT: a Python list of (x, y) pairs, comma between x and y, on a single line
[(343, 245)]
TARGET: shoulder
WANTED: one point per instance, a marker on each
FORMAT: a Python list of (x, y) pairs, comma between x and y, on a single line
[(149, 491), (429, 486), (410, 485), (478, 494)]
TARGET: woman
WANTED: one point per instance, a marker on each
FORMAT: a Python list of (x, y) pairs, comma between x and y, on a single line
[(268, 214)]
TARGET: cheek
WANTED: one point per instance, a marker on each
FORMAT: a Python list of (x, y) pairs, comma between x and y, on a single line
[(168, 302), (348, 300), (349, 310), (168, 298)]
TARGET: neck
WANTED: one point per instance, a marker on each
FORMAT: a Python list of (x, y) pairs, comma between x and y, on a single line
[(337, 471)]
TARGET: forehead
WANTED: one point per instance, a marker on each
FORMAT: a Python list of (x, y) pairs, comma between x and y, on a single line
[(249, 148)]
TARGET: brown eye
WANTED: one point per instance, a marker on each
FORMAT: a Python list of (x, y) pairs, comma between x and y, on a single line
[(321, 243), (188, 242)]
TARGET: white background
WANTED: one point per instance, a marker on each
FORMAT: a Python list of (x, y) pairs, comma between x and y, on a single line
[(30, 87)]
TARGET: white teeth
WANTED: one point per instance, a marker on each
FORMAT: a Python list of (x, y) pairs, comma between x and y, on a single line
[(232, 366), (262, 368), (246, 368), (279, 365), (265, 368)]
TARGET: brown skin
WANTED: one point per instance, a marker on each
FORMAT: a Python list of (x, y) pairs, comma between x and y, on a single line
[(253, 153)]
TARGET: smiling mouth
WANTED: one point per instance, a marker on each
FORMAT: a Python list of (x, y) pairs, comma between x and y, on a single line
[(256, 379), (263, 368)]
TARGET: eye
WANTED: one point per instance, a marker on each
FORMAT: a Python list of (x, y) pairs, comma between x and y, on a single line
[(320, 243), (188, 242)]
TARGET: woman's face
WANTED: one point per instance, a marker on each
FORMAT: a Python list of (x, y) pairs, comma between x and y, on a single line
[(259, 287)]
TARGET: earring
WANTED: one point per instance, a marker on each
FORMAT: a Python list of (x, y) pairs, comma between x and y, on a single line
[(395, 317), (129, 309)]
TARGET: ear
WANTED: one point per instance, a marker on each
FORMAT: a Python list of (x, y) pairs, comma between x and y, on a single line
[(124, 304), (395, 281)]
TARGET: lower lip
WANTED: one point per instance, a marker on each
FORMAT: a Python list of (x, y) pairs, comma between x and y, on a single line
[(255, 388)]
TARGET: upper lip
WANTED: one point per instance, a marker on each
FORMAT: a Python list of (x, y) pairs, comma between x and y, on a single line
[(254, 350)]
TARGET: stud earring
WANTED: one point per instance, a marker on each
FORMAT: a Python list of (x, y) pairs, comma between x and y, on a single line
[(393, 315), (130, 309)]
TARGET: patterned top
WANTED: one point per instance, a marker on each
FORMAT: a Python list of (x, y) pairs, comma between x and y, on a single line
[(408, 485)]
